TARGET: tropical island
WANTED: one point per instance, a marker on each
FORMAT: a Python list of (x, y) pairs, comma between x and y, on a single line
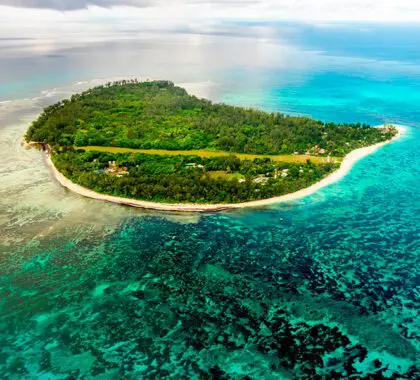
[(151, 143)]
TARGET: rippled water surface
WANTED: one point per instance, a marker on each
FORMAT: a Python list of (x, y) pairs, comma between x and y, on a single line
[(324, 287)]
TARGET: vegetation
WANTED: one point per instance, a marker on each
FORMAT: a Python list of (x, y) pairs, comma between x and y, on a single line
[(209, 153), (153, 141), (159, 115), (186, 178)]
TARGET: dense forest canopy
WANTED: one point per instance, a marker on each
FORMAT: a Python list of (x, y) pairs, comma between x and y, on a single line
[(160, 115)]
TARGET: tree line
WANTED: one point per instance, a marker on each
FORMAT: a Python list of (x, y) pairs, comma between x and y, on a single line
[(173, 179), (160, 115)]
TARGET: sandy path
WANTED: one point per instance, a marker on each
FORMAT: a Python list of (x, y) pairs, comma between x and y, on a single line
[(345, 167)]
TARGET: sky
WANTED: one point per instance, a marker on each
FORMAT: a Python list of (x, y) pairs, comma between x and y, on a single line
[(388, 10), (325, 10), (98, 18)]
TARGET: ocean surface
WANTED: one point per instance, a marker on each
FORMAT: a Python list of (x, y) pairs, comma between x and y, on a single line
[(324, 287)]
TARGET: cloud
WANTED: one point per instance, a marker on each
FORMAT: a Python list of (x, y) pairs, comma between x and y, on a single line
[(64, 5), (246, 10)]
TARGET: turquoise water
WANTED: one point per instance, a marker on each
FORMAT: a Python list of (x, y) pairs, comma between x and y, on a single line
[(323, 287)]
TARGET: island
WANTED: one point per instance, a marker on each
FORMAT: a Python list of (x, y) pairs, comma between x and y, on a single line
[(151, 144)]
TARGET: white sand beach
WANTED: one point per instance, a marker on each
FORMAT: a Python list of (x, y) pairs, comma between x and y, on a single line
[(345, 167)]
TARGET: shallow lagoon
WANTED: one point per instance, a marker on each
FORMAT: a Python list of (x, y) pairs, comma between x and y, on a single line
[(324, 286)]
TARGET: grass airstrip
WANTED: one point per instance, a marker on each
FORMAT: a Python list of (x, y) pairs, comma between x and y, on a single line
[(292, 158)]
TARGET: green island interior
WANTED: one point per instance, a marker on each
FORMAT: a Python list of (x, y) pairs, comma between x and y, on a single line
[(153, 141)]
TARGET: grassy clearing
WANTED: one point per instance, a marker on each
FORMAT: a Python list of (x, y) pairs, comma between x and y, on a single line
[(225, 175), (205, 153)]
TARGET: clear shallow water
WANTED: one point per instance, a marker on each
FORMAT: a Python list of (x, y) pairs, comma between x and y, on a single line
[(326, 286)]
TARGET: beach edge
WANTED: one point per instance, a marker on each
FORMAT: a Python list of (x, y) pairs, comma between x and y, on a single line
[(349, 161)]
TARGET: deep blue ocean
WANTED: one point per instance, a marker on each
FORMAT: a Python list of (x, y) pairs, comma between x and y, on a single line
[(324, 287)]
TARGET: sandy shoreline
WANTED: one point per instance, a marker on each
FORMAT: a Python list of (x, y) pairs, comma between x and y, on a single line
[(345, 167)]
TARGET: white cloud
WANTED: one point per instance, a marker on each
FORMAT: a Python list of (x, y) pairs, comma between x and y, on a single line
[(325, 10), (29, 18)]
